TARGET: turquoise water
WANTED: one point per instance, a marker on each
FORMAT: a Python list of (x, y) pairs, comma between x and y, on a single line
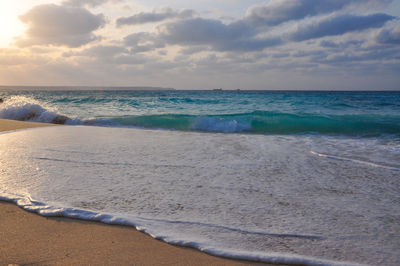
[(259, 112)]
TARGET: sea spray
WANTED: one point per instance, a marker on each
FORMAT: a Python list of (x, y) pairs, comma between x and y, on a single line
[(27, 109)]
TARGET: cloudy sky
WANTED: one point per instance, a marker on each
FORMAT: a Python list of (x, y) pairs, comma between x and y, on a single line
[(204, 44)]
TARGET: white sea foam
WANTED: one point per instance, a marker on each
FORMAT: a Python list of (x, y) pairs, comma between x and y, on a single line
[(28, 109), (215, 124), (355, 161), (142, 225), (263, 198)]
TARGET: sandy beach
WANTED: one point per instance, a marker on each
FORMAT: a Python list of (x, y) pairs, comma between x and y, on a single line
[(30, 239)]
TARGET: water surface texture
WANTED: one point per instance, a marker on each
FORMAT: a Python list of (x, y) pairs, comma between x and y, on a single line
[(288, 177), (332, 113)]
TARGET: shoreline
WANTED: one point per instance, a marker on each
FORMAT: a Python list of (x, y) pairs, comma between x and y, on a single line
[(28, 238)]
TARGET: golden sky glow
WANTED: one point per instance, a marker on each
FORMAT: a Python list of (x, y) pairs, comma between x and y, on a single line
[(327, 44), (11, 26)]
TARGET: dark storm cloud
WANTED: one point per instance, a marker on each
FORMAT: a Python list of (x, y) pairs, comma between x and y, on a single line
[(338, 25), (51, 24), (155, 16)]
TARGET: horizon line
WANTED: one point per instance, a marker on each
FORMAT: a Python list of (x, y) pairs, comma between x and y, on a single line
[(138, 88)]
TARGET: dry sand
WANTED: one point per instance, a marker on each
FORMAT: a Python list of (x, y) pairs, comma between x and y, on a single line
[(30, 239)]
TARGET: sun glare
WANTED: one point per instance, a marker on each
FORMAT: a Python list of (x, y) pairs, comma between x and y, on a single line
[(11, 26)]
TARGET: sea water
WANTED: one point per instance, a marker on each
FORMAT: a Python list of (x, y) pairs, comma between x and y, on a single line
[(260, 112), (286, 177)]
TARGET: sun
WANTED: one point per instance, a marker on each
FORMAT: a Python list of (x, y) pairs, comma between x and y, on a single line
[(11, 26)]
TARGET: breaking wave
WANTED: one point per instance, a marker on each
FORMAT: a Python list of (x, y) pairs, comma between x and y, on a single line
[(257, 122), (262, 122), (27, 109)]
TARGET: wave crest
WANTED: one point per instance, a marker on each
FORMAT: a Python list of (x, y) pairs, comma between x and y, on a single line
[(263, 122), (28, 109)]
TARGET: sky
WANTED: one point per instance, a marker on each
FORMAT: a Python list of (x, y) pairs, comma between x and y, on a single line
[(204, 44)]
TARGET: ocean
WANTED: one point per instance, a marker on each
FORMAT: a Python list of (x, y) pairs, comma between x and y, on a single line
[(253, 112), (274, 176)]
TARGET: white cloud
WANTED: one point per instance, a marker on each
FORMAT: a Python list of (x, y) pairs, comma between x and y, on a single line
[(155, 16), (51, 24), (272, 43), (338, 25), (88, 3), (389, 36)]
